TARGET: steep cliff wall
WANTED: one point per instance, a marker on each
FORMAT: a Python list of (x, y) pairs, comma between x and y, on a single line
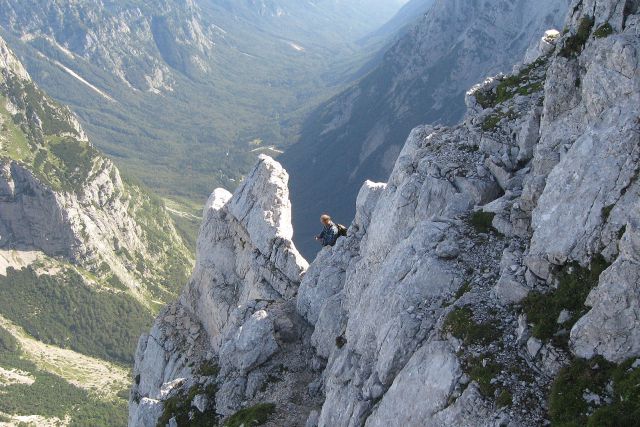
[(235, 329), (493, 280), (422, 78)]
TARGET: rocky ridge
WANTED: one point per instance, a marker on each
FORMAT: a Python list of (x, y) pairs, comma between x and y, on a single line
[(114, 35), (494, 271), (235, 327), (421, 78)]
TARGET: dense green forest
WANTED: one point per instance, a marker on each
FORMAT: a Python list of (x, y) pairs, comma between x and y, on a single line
[(52, 396), (64, 311)]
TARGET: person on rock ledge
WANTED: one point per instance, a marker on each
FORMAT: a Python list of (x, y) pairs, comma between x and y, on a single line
[(330, 231)]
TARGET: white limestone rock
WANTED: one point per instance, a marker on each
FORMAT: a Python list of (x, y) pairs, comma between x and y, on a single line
[(238, 308), (586, 162), (432, 371), (244, 249), (612, 327), (251, 344)]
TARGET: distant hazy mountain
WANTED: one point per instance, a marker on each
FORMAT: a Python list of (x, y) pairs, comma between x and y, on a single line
[(422, 78), (186, 93)]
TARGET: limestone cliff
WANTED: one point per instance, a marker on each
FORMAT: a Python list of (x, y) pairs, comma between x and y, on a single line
[(235, 328), (493, 280)]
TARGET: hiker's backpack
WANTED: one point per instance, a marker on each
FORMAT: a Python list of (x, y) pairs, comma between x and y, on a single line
[(342, 230)]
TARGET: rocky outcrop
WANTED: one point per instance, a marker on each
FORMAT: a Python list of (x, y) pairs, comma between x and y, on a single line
[(421, 78), (459, 295), (237, 312)]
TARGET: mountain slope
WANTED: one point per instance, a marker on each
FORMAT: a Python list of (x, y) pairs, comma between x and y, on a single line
[(491, 281), (422, 79), (203, 83), (86, 260)]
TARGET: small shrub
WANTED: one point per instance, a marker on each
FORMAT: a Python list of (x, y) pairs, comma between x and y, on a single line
[(604, 30), (567, 406), (180, 408), (574, 44), (461, 325), (482, 371), (622, 231), (341, 341), (606, 212), (271, 379), (523, 83), (491, 122), (574, 285), (208, 368), (482, 221), (504, 399), (8, 343), (466, 287), (254, 416), (124, 394)]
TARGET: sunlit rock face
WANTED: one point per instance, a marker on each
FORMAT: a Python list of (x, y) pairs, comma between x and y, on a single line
[(423, 314), (422, 78)]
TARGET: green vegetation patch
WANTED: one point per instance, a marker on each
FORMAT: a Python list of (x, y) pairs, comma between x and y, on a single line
[(574, 44), (43, 137), (254, 416), (460, 324), (606, 212), (174, 270), (180, 407), (64, 311), (526, 82), (482, 371), (482, 221), (505, 398), (54, 119), (208, 369), (8, 343), (604, 30), (466, 287), (574, 285), (619, 385), (492, 121), (52, 396), (75, 159)]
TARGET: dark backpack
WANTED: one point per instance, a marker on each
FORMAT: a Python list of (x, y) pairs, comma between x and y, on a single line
[(342, 230)]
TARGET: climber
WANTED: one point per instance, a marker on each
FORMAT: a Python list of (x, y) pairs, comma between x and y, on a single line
[(330, 231)]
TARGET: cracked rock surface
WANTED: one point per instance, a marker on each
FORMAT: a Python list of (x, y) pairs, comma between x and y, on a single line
[(420, 315)]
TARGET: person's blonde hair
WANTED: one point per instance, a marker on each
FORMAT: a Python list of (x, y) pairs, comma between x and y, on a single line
[(325, 218)]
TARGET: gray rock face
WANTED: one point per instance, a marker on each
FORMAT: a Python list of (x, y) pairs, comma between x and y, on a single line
[(245, 241), (422, 78), (610, 329), (413, 316), (238, 310)]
